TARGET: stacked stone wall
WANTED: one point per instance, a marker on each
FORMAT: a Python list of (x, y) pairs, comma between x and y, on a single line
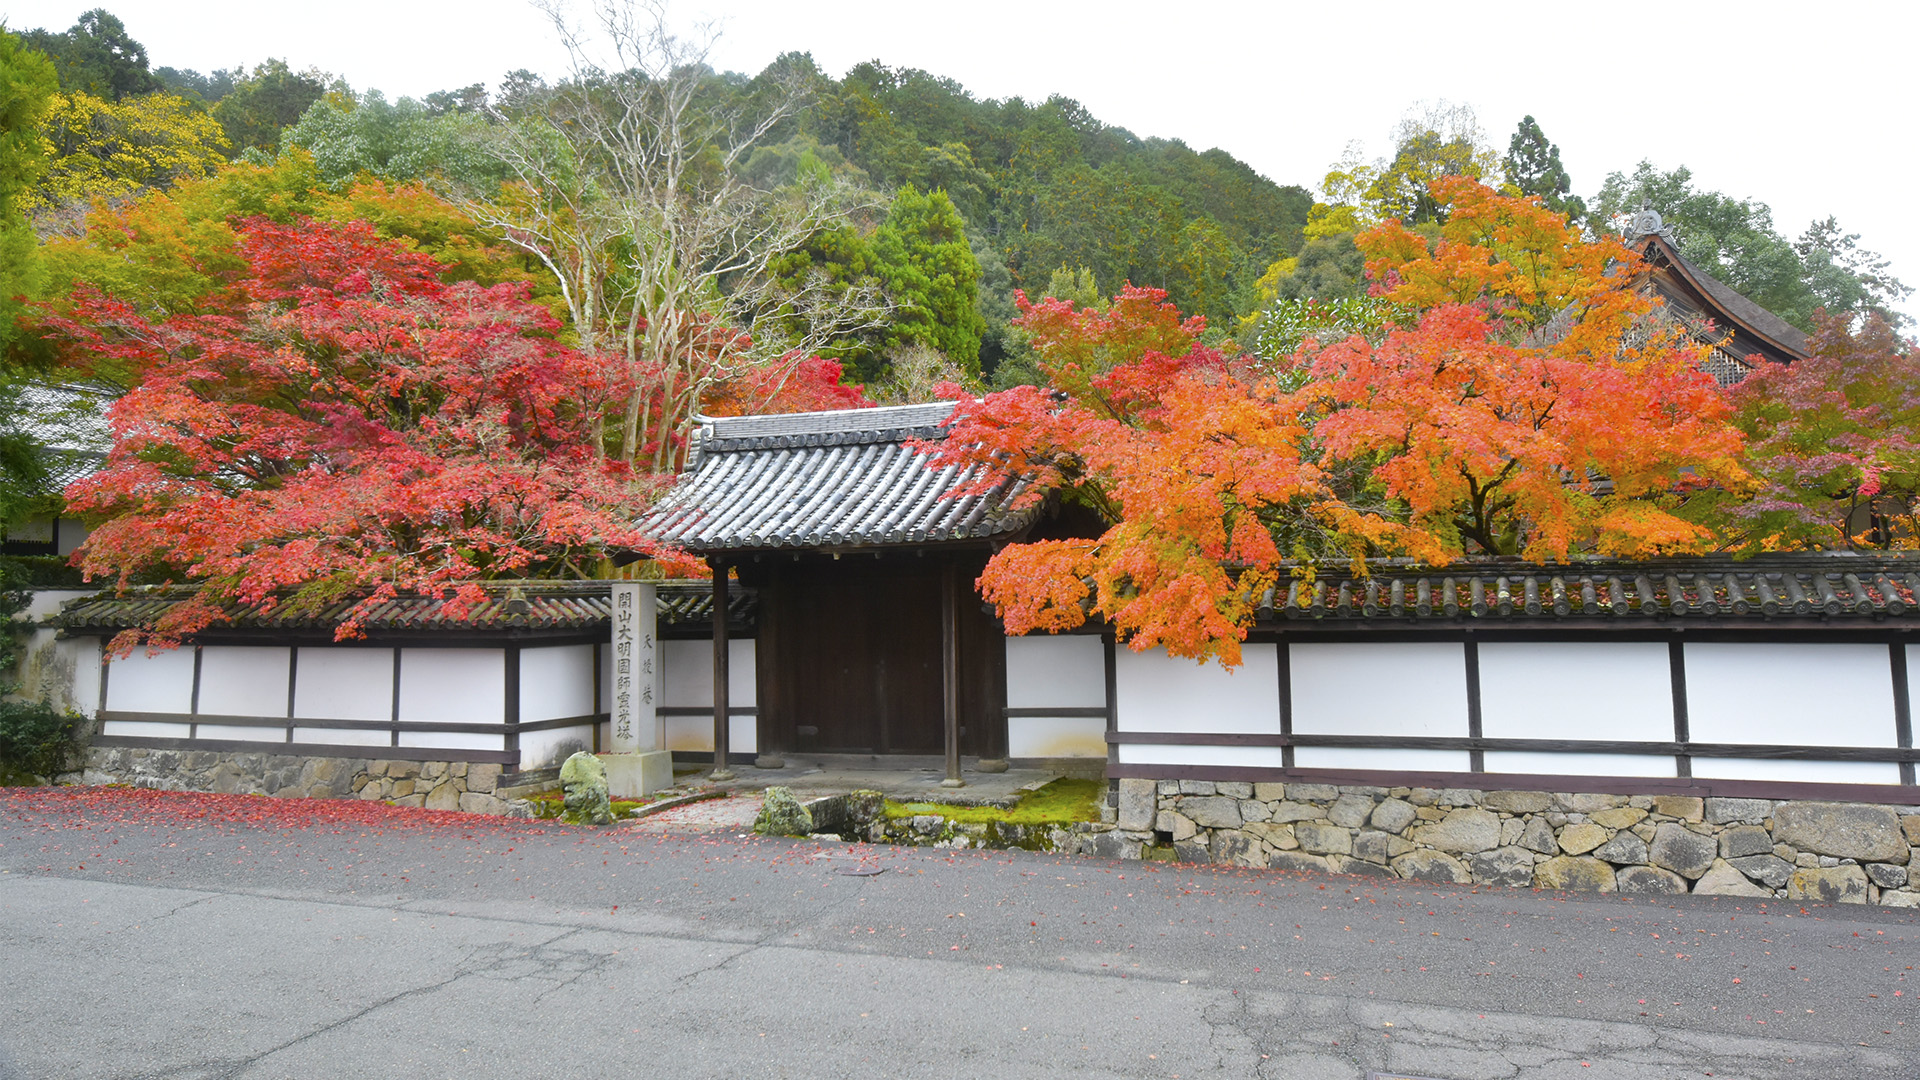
[(1652, 844), (435, 785)]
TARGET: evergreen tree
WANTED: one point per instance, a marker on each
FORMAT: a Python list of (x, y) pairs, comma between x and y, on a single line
[(1533, 166)]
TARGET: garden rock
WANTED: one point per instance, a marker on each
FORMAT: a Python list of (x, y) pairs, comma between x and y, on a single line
[(583, 779), (782, 815)]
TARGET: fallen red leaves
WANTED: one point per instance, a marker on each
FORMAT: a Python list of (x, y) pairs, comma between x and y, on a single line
[(84, 807)]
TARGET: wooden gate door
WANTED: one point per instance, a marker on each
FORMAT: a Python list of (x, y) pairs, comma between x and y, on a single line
[(865, 642)]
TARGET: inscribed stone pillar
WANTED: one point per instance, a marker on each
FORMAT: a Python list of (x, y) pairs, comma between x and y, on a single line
[(636, 765)]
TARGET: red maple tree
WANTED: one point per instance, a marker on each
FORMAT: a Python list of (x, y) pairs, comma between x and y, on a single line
[(348, 426)]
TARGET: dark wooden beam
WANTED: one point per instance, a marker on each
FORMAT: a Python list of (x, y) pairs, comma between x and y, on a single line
[(722, 716), (950, 673)]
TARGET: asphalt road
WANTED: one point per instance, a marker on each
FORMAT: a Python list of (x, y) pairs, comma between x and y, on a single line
[(142, 940)]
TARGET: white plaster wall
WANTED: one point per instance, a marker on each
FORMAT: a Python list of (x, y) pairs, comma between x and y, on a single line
[(342, 683), (145, 729), (1380, 688), (687, 675), (453, 740), (1913, 688), (1501, 761), (539, 749), (463, 686), (1064, 671), (243, 680), (342, 736), (1804, 772), (65, 673), (1617, 690), (1157, 692), (1265, 757), (241, 733), (695, 733), (161, 683), (1057, 736), (556, 681), (1816, 694)]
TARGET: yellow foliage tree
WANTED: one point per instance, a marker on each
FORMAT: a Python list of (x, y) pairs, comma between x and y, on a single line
[(100, 149)]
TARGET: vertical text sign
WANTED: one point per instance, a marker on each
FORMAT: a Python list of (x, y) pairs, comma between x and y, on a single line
[(635, 678)]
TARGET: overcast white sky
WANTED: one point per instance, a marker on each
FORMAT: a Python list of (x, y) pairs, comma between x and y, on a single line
[(1807, 108)]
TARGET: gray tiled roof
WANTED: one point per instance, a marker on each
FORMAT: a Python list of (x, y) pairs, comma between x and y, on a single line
[(550, 605), (841, 479), (1780, 587), (69, 422)]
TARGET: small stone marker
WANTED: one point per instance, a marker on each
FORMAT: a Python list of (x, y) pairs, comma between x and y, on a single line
[(585, 783)]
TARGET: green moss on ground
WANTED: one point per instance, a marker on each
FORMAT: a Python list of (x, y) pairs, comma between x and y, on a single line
[(1062, 802), (551, 804)]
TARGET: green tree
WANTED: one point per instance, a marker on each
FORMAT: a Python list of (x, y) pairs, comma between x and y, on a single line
[(27, 86), (261, 104), (97, 56), (1533, 166), (922, 257), (350, 135)]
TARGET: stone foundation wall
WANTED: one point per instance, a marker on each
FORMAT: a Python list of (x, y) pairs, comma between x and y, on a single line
[(1827, 852), (436, 785)]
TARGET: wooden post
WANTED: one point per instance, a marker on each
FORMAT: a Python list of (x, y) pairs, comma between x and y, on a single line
[(950, 674), (721, 719)]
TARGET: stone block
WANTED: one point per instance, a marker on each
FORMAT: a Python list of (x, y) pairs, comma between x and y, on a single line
[(1313, 792), (1460, 797), (1231, 847), (1374, 847), (1575, 873), (1423, 796), (1465, 831), (1741, 811), (1398, 846), (1510, 866), (1178, 825), (1190, 851), (1167, 787), (1296, 860), (483, 776), (479, 802), (1582, 838), (1393, 815), (1618, 817), (1625, 849), (1254, 810), (1212, 811), (1585, 802), (1911, 826), (1516, 802), (1294, 811), (1277, 837), (1267, 792), (1111, 845), (1768, 869), (1197, 787), (373, 792), (1649, 880), (629, 776), (1842, 830), (1429, 813), (1511, 830), (1724, 879), (1742, 840), (444, 796), (1886, 875), (1829, 885), (1350, 811), (1538, 836), (415, 801), (400, 769), (1233, 789), (1684, 807), (1323, 839), (402, 788), (1346, 864), (1432, 866), (1139, 802), (1682, 850)]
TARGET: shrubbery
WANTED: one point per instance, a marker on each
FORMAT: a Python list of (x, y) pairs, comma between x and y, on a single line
[(36, 739)]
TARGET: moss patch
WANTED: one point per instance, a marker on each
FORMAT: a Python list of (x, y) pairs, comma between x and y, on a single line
[(551, 804), (1062, 802)]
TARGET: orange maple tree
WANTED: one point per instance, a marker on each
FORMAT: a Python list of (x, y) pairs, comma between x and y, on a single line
[(1519, 403)]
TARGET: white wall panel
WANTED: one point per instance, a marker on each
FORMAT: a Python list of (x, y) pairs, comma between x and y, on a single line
[(1380, 688), (465, 686), (1370, 757), (243, 680), (556, 681), (342, 736), (1063, 671), (1804, 772), (1263, 757), (162, 683), (453, 740), (1798, 692), (242, 732), (1157, 692), (688, 676), (540, 749), (1056, 736), (144, 729), (342, 683), (1577, 690), (695, 733), (1501, 761)]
